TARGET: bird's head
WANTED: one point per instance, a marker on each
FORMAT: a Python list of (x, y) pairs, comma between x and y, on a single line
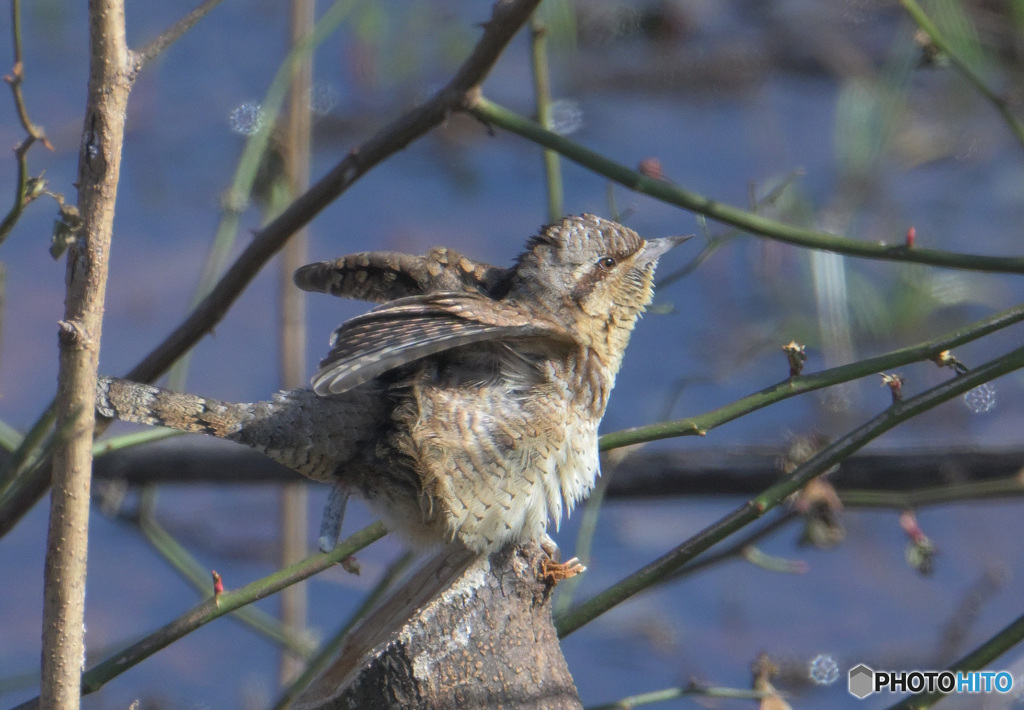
[(592, 275)]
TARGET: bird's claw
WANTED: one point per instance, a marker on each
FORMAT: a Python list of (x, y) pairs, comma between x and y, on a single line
[(554, 572)]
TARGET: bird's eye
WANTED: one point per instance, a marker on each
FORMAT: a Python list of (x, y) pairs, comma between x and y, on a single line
[(606, 262)]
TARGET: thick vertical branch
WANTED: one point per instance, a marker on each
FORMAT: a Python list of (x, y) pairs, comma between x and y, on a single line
[(99, 164)]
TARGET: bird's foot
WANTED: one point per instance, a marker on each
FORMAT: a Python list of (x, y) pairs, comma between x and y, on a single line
[(551, 570), (554, 572)]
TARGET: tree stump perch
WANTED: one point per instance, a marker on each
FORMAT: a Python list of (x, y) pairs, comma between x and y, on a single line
[(466, 631)]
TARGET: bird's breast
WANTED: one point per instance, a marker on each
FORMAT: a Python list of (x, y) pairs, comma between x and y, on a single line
[(498, 462)]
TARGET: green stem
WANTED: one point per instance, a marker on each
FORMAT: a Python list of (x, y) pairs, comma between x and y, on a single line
[(496, 115), (542, 92), (831, 455), (199, 577), (936, 495), (136, 438), (23, 459), (808, 383)]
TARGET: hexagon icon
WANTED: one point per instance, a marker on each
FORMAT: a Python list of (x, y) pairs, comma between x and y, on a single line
[(862, 681)]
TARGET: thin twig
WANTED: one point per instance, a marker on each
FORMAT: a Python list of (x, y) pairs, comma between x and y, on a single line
[(712, 244), (1011, 487), (173, 33), (21, 191), (17, 75), (734, 550), (829, 456), (23, 194), (199, 577), (542, 95), (493, 114)]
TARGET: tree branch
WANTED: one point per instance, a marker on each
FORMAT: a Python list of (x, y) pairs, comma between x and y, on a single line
[(801, 384), (173, 33), (831, 455), (22, 192), (493, 114), (98, 174)]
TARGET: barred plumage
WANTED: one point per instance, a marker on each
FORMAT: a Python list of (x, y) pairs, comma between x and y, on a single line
[(467, 406)]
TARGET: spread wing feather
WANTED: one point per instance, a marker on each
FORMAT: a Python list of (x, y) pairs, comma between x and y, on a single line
[(408, 329)]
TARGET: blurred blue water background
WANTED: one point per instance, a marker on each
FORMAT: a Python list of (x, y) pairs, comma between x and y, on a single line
[(725, 96)]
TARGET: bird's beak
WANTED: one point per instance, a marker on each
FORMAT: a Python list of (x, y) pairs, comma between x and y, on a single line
[(655, 248)]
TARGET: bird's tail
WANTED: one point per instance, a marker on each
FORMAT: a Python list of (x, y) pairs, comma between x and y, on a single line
[(294, 429), (145, 404)]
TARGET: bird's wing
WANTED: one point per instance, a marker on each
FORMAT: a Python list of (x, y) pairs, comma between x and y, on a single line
[(408, 329), (367, 276), (383, 276)]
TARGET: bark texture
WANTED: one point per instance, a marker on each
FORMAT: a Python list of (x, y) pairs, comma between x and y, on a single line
[(466, 631), (110, 79)]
